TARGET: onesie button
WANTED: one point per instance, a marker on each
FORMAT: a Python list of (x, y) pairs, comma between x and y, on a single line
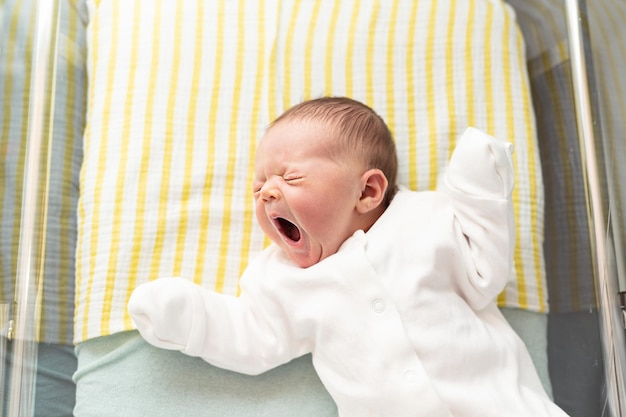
[(378, 306)]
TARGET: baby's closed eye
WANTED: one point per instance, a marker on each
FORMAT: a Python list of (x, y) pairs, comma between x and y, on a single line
[(256, 187), (292, 177)]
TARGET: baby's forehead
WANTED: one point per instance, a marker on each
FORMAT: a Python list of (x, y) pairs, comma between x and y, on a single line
[(306, 122), (301, 138), (297, 130)]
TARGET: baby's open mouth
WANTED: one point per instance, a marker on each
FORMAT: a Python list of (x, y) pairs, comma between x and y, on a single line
[(288, 229)]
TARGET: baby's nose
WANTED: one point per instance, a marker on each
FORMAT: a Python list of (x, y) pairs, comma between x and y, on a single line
[(269, 192)]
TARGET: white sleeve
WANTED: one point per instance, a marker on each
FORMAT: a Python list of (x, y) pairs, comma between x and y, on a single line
[(235, 333), (480, 180)]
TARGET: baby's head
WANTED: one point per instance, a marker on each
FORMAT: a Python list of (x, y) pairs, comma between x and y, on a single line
[(324, 169)]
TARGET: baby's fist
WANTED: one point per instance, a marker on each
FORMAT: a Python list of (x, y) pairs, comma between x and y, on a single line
[(481, 166), (166, 311)]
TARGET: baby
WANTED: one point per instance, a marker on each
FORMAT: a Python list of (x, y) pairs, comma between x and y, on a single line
[(392, 291)]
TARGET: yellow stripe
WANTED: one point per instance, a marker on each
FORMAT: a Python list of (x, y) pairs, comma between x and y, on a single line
[(350, 48), (412, 113), (520, 276), (190, 134), (510, 127), (469, 70), (101, 164), (248, 217), (19, 189), (369, 56), (93, 58), (117, 230), (450, 85), (389, 68), (528, 121), (330, 43), (533, 168), (166, 170), (138, 237), (510, 118), (8, 293), (232, 150), (272, 65), (308, 69), (522, 285), (430, 97), (488, 69), (289, 54), (271, 75), (212, 117)]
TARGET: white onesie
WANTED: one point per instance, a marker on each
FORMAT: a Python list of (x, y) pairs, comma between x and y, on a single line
[(401, 321)]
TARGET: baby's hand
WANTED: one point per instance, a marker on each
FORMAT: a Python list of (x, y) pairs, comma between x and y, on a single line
[(166, 312), (481, 166)]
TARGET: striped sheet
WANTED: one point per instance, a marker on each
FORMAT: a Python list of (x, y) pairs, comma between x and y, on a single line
[(567, 251), (17, 45), (567, 246), (18, 23), (180, 92)]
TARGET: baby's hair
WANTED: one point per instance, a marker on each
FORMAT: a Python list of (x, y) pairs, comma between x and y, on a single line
[(362, 132)]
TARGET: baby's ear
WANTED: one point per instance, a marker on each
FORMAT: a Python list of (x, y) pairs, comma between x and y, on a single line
[(373, 188)]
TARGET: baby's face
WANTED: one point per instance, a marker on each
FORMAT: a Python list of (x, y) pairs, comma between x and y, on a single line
[(305, 199)]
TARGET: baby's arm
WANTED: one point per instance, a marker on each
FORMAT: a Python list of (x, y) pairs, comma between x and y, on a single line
[(480, 179), (226, 331)]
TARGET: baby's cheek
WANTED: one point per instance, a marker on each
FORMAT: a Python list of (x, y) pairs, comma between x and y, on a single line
[(263, 221)]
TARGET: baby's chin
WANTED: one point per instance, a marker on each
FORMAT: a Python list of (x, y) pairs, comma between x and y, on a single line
[(303, 262), (305, 259), (308, 258)]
